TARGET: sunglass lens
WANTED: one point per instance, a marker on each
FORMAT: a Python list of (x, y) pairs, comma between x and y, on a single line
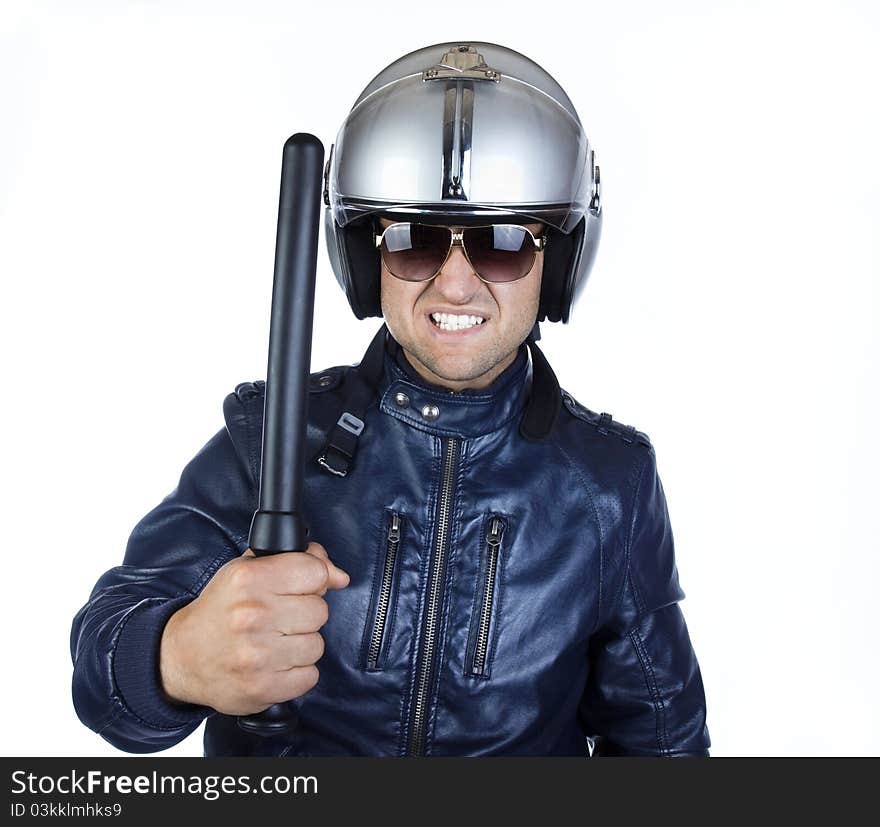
[(414, 252), (502, 252)]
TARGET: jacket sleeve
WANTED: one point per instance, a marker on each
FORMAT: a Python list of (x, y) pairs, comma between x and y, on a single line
[(171, 554), (645, 696)]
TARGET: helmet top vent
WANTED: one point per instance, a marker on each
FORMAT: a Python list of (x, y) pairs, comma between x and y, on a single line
[(462, 62)]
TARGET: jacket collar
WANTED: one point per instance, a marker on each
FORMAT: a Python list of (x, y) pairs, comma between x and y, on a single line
[(435, 409)]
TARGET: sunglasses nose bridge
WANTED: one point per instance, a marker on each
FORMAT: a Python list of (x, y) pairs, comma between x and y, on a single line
[(458, 281), (457, 241)]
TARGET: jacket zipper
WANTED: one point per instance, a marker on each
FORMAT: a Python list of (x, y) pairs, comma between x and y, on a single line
[(392, 544), (494, 542), (418, 717)]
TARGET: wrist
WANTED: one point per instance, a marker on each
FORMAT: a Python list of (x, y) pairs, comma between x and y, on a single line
[(172, 667)]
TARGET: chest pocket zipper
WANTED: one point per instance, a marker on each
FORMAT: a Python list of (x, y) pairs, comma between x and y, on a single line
[(481, 623), (382, 606)]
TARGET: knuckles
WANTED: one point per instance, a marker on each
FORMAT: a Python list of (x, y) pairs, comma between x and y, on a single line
[(241, 575), (248, 659), (322, 612), (314, 647), (257, 691), (313, 612), (309, 677), (316, 548), (247, 616), (309, 573)]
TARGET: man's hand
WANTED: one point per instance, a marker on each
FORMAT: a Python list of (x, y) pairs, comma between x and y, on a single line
[(251, 639)]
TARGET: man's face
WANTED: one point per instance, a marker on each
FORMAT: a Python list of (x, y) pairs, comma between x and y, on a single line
[(470, 358)]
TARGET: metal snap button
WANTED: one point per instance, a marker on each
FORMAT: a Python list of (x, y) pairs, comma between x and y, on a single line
[(325, 380), (401, 400), (430, 412)]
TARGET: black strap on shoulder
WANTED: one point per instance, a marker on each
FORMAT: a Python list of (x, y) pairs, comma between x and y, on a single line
[(363, 388)]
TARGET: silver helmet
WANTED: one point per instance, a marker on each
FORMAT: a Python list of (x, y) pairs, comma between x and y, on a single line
[(470, 132)]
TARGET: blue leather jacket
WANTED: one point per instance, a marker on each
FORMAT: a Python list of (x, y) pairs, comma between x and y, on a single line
[(513, 589)]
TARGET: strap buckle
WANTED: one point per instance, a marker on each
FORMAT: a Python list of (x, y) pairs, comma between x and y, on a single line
[(351, 423), (322, 461)]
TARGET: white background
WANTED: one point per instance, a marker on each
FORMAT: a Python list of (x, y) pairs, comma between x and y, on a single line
[(731, 314)]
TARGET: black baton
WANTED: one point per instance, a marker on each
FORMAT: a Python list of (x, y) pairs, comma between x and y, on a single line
[(278, 524)]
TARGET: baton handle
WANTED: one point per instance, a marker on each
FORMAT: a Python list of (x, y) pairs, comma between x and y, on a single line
[(278, 524)]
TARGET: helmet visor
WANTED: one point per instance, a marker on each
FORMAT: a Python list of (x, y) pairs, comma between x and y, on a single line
[(473, 151)]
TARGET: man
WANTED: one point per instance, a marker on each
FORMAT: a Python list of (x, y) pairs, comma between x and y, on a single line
[(492, 570)]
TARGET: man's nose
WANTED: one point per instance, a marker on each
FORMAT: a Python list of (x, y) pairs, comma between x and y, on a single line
[(457, 279)]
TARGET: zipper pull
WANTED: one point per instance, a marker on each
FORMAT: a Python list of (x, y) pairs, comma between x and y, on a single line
[(394, 530), (495, 532)]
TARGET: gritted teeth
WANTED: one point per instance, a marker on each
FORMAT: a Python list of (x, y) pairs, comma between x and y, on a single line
[(451, 321)]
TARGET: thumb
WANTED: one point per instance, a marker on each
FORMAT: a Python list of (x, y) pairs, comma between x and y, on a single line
[(337, 577)]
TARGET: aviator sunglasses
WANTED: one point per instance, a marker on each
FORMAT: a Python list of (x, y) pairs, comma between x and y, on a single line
[(498, 253)]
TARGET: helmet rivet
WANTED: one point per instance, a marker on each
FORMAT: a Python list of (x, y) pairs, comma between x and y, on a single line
[(430, 412), (401, 400)]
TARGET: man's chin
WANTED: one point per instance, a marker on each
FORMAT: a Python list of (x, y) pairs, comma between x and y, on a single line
[(446, 368)]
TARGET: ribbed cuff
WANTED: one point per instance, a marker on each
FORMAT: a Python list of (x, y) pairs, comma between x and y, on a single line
[(136, 667)]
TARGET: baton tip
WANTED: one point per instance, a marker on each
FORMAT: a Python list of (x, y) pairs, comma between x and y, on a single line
[(303, 140)]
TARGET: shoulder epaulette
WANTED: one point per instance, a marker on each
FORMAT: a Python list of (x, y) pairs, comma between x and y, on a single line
[(326, 380), (248, 390), (323, 380), (604, 422)]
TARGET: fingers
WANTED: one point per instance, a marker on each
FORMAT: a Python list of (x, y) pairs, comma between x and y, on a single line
[(294, 572), (308, 613), (287, 683), (297, 650), (282, 667), (337, 578)]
